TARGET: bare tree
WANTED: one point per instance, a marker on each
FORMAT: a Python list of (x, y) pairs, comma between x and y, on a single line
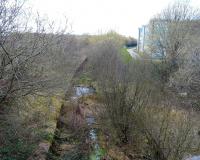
[(25, 52), (186, 79), (122, 87), (172, 29)]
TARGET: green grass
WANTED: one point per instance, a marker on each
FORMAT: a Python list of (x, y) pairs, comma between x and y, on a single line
[(125, 55), (84, 79), (100, 153)]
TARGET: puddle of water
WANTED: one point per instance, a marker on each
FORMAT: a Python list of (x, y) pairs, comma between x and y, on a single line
[(81, 91), (90, 120), (193, 158)]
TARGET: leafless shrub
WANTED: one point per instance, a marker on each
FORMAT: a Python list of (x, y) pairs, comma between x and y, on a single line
[(186, 80), (187, 77), (169, 133), (122, 89), (26, 54)]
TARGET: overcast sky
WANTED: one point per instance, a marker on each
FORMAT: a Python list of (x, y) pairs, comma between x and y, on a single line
[(99, 16)]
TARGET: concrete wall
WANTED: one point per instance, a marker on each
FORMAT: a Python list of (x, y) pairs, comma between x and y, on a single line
[(142, 38)]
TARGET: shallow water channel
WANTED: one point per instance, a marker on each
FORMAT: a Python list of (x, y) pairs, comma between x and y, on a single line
[(193, 158), (64, 145), (97, 153)]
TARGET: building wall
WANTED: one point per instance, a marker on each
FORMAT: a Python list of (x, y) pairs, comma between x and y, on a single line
[(142, 38), (148, 41)]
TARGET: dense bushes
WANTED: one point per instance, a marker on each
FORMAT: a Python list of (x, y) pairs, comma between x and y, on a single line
[(139, 110)]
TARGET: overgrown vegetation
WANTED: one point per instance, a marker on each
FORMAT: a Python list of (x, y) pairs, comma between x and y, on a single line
[(125, 55), (139, 111), (144, 108)]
